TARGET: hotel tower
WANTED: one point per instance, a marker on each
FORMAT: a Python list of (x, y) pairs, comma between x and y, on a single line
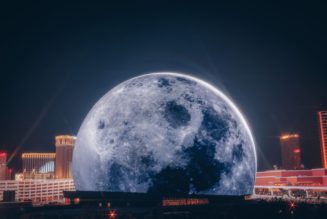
[(322, 116), (291, 152), (64, 154)]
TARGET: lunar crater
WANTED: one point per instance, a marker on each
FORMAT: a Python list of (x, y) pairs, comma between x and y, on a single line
[(177, 115)]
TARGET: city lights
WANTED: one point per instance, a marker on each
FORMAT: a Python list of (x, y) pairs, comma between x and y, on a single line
[(288, 136), (163, 109), (38, 182)]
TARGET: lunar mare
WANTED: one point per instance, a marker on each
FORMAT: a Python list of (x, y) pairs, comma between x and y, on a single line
[(165, 133)]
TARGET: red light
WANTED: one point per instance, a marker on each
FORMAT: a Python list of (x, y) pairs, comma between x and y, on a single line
[(292, 205), (297, 150), (112, 214), (77, 201)]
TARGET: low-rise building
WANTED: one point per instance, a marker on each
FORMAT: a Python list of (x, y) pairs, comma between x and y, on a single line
[(39, 191), (313, 177)]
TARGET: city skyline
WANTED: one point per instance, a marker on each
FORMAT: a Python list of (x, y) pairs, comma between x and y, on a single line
[(163, 109), (15, 155), (265, 57)]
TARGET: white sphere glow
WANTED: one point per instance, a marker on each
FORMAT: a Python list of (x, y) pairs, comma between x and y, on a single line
[(165, 133)]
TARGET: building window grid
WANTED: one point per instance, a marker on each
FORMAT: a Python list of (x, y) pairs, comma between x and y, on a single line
[(32, 190)]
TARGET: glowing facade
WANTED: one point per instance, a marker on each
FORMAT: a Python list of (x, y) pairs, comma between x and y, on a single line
[(64, 154), (291, 152), (3, 165), (38, 162), (312, 177), (38, 191), (292, 184), (322, 116)]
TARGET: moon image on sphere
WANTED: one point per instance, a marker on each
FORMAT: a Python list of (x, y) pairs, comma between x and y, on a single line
[(165, 133)]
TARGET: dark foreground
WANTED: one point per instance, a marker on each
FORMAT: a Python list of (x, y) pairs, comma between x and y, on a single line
[(121, 205)]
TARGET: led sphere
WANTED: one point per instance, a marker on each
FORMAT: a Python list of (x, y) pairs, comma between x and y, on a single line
[(165, 133)]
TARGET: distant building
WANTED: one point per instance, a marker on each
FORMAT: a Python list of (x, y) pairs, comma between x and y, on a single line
[(3, 165), (291, 152), (64, 154), (313, 177), (38, 162), (292, 184), (322, 116), (38, 191)]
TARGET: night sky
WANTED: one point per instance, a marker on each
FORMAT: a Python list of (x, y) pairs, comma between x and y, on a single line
[(58, 60)]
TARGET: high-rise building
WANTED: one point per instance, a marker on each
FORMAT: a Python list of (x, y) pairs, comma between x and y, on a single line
[(64, 154), (38, 162), (3, 165), (291, 152), (322, 116)]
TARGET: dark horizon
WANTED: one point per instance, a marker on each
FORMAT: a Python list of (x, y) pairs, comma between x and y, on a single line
[(58, 60)]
